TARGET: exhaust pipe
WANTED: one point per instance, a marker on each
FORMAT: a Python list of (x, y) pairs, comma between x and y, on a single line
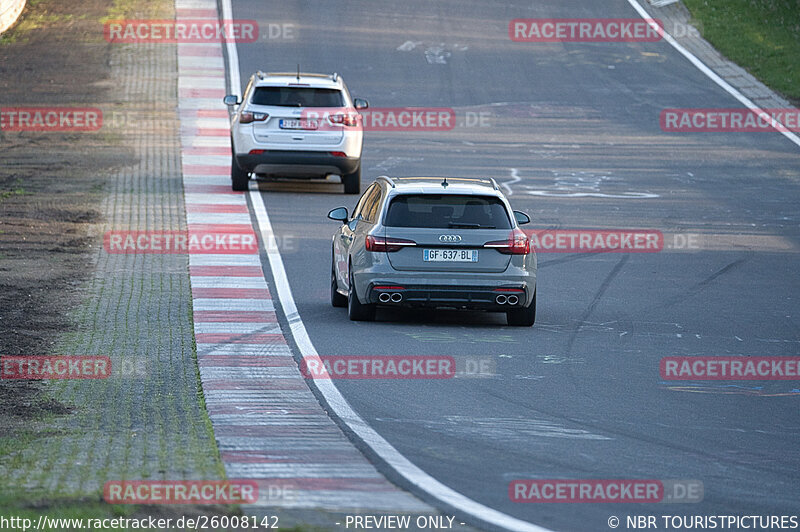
[(384, 297), (397, 297), (512, 300), (501, 299)]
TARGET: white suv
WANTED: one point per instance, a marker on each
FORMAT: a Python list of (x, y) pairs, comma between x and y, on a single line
[(296, 125)]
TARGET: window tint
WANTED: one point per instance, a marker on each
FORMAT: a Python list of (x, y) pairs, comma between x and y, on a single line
[(247, 89), (298, 97), (371, 204), (442, 211), (360, 205)]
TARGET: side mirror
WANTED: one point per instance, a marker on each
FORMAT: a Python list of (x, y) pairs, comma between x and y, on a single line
[(521, 218), (361, 103), (231, 99), (339, 214)]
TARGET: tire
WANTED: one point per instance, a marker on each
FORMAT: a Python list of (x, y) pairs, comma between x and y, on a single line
[(524, 317), (356, 311), (337, 299), (352, 182), (239, 178)]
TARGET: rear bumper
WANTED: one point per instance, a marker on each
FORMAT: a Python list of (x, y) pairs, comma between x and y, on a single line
[(450, 296), (297, 163)]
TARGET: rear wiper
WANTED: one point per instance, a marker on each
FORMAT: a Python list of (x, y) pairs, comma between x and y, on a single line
[(469, 226)]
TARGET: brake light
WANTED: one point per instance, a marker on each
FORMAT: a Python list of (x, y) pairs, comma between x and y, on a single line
[(388, 245), (517, 243), (247, 117), (345, 119)]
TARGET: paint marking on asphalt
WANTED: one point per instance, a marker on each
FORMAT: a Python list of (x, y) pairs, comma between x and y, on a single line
[(345, 412), (391, 456), (705, 69), (515, 178), (256, 397)]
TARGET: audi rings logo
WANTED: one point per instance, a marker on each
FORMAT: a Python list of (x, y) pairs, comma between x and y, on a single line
[(450, 238)]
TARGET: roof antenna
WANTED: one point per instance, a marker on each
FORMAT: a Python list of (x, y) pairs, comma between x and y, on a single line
[(298, 72), (444, 182)]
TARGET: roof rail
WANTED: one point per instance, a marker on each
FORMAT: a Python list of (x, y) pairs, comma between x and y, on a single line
[(302, 74), (387, 179), (260, 74), (335, 77), (494, 184)]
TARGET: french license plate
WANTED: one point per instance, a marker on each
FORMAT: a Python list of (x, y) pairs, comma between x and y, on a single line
[(450, 255), (298, 124)]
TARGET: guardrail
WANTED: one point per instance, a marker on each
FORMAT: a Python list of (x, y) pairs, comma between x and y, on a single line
[(10, 11)]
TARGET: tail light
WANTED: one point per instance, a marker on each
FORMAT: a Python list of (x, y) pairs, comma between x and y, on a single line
[(517, 243), (378, 243), (247, 117), (345, 119)]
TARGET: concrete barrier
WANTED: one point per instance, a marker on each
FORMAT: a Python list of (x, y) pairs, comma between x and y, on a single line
[(10, 10)]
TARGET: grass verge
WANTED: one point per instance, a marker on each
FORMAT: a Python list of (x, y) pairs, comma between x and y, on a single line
[(762, 36)]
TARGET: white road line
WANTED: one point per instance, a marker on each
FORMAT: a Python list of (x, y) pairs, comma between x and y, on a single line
[(217, 217), (217, 199), (515, 178), (711, 74), (233, 55), (337, 402), (243, 329), (228, 281), (244, 259), (345, 412), (254, 350), (225, 304)]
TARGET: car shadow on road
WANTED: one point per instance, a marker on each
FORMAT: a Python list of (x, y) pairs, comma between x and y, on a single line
[(445, 317), (331, 185)]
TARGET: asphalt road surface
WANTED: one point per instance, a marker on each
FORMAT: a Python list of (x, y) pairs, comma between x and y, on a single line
[(571, 130)]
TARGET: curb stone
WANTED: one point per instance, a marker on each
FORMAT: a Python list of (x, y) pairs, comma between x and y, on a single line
[(268, 424)]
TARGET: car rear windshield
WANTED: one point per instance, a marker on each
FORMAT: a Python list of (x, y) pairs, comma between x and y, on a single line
[(298, 97), (442, 211)]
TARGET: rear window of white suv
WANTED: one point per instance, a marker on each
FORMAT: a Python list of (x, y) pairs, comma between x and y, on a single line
[(447, 211), (298, 97)]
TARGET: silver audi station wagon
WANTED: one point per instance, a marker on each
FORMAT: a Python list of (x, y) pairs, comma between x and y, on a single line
[(440, 242)]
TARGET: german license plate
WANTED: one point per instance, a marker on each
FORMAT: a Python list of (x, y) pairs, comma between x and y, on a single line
[(298, 124), (450, 255)]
